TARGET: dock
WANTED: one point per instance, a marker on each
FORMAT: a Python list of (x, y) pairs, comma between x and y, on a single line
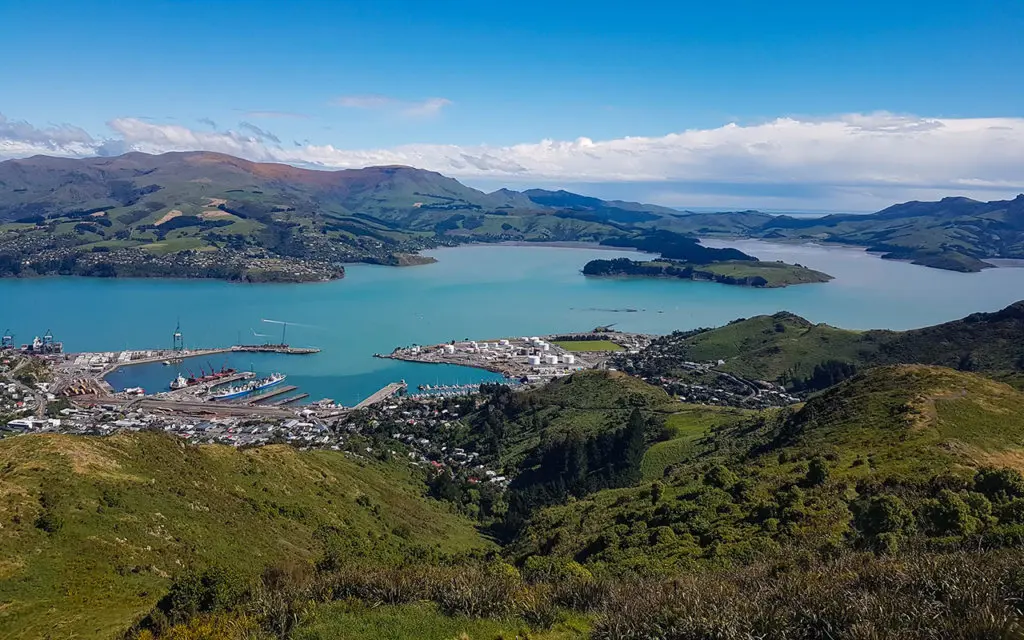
[(382, 395), (270, 394), (286, 401), (275, 348)]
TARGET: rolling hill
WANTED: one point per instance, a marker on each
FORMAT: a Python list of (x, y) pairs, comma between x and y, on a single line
[(958, 234), (804, 477), (201, 214), (204, 214), (801, 355)]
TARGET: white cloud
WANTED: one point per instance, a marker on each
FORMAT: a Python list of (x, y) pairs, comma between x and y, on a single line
[(277, 115), (859, 158), (427, 108)]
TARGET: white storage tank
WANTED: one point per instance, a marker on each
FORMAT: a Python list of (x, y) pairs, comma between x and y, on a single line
[(569, 359), (545, 347), (449, 348), (551, 359), (533, 361), (503, 343)]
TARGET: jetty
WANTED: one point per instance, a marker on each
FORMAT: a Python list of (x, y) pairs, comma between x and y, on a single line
[(270, 394), (286, 401), (380, 396), (274, 348)]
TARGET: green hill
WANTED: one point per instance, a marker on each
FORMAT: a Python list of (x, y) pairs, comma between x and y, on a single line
[(586, 402), (809, 478), (202, 214), (93, 529), (790, 350), (958, 234)]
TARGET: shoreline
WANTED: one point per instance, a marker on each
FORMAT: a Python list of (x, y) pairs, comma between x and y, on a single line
[(560, 244)]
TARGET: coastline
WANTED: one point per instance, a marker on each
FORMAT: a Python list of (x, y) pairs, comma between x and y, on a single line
[(559, 244)]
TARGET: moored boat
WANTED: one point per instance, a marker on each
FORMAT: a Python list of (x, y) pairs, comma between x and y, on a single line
[(239, 391)]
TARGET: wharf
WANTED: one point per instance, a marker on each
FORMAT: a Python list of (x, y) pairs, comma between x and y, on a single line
[(287, 401), (382, 395), (208, 386), (270, 394), (275, 348)]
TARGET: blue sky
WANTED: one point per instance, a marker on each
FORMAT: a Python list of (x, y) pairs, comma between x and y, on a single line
[(341, 77)]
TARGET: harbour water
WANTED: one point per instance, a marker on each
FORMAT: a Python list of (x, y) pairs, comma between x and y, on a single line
[(479, 292)]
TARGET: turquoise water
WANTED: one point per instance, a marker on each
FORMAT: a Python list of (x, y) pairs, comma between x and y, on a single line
[(482, 292)]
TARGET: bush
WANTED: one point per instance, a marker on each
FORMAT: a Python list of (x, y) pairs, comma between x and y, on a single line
[(999, 485), (817, 472)]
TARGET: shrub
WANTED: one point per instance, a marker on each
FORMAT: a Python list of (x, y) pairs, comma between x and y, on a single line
[(999, 485), (817, 471)]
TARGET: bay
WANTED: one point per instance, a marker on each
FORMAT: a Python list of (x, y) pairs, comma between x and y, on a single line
[(477, 292)]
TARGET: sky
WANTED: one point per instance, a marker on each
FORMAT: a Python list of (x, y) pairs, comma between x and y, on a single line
[(816, 106)]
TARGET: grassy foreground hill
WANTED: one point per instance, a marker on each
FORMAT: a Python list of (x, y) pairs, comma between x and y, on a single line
[(890, 505), (93, 529), (801, 355)]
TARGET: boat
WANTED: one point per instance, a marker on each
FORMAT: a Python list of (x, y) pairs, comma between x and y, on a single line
[(181, 382), (238, 391), (166, 363)]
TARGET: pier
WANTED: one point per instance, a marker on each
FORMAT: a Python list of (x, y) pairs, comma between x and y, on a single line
[(382, 395), (286, 401), (270, 394), (274, 348)]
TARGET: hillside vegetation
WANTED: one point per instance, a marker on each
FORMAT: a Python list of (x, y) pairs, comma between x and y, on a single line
[(792, 351), (888, 505), (908, 440), (93, 529)]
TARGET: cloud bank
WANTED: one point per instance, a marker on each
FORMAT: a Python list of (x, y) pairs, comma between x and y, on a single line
[(858, 156)]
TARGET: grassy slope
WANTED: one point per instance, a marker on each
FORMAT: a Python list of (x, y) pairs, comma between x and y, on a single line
[(778, 274), (891, 425), (587, 401), (785, 345), (687, 426), (765, 347), (137, 509)]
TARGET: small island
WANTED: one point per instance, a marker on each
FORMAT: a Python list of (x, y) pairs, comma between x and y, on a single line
[(747, 273), (686, 258)]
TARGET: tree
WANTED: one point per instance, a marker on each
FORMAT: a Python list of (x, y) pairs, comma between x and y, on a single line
[(884, 514), (817, 472), (948, 514), (999, 485), (657, 490)]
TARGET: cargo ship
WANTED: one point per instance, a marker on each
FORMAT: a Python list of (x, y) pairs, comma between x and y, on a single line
[(182, 382), (249, 388)]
